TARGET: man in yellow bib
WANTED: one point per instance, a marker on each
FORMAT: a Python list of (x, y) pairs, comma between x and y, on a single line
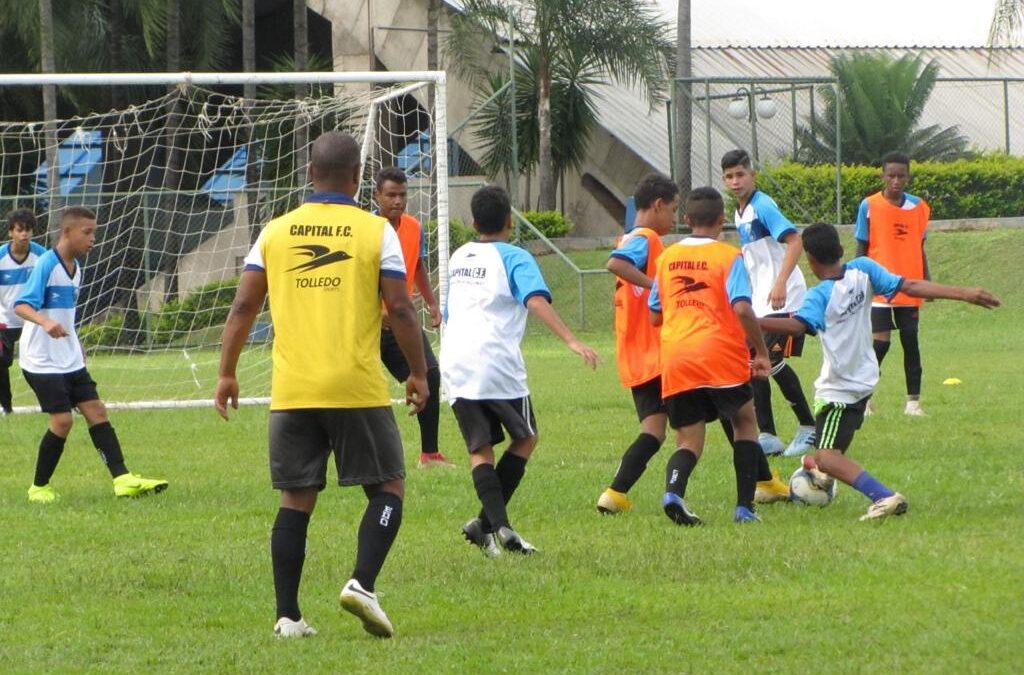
[(325, 266)]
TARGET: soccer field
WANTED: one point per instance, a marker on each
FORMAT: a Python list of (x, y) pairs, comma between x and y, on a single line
[(182, 582)]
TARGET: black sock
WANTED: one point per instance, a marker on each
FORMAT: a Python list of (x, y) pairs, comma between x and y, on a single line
[(510, 470), (5, 387), (377, 532), (677, 474), (489, 491), (428, 417), (745, 461), (50, 450), (911, 362), (287, 555), (105, 439), (764, 472), (634, 462), (763, 404), (789, 385), (881, 349)]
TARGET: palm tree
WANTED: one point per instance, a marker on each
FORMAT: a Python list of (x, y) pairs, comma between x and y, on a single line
[(301, 46), (249, 44), (883, 99), (47, 60), (684, 101), (621, 39), (1007, 21)]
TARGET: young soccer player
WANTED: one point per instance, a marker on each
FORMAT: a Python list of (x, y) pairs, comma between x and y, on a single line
[(839, 309), (53, 361), (392, 195), (891, 230), (325, 267), (17, 258), (637, 342), (701, 300), (492, 287), (771, 249)]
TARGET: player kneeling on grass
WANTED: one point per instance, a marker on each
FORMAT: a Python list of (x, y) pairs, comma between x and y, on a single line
[(492, 286), (701, 300), (53, 361), (839, 309)]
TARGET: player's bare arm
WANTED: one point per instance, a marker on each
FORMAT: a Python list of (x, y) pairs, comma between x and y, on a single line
[(759, 365), (406, 327), (539, 306), (777, 296), (919, 288), (628, 273), (29, 313), (252, 291), (423, 285)]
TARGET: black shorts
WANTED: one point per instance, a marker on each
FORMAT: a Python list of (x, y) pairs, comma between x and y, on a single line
[(836, 423), (781, 346), (60, 392), (706, 404), (393, 358), (647, 399), (885, 319), (481, 421), (8, 338), (365, 441)]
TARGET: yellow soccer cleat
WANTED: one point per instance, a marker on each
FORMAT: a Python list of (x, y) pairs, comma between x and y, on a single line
[(42, 494), (774, 490), (612, 501), (134, 485)]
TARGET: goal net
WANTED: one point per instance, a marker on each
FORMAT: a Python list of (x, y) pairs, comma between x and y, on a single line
[(182, 184)]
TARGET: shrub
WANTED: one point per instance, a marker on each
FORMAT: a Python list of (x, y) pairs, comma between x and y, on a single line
[(989, 186), (458, 234), (101, 335), (552, 224), (201, 308)]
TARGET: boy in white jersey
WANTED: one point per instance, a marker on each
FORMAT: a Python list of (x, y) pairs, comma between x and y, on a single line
[(839, 308), (17, 258), (771, 249), (53, 362), (492, 287)]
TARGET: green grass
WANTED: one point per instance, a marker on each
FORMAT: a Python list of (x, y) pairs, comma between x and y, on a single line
[(181, 582)]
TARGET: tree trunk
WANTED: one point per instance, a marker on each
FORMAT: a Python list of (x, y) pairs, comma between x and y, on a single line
[(301, 64), (684, 102), (115, 49), (545, 164), (49, 115), (433, 63), (172, 172), (249, 43)]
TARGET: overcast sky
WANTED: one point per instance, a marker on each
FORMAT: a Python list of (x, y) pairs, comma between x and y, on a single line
[(955, 23)]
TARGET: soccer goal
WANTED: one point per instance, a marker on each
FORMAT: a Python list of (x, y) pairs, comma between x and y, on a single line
[(183, 183)]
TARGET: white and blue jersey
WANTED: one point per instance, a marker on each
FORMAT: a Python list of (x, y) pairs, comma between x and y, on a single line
[(840, 311), (762, 228), (485, 312), (13, 275), (52, 291)]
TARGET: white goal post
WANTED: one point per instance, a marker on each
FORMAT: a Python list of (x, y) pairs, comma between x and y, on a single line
[(181, 185)]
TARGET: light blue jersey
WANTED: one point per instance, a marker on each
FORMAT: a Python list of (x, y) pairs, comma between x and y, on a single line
[(13, 275), (52, 290), (762, 228)]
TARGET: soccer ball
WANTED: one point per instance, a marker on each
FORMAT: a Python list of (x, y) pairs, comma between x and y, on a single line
[(811, 487)]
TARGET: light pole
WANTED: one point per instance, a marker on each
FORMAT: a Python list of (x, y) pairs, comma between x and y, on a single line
[(746, 104)]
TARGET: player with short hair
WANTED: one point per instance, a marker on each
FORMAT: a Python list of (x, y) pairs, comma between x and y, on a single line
[(492, 287), (891, 229), (325, 266), (701, 299), (17, 258), (771, 249), (392, 195), (53, 361), (839, 309), (637, 342)]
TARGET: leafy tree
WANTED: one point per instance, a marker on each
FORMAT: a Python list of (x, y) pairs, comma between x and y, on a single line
[(595, 39), (882, 102)]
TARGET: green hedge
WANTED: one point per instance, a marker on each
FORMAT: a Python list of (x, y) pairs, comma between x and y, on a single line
[(991, 186), (101, 336), (201, 308), (552, 224)]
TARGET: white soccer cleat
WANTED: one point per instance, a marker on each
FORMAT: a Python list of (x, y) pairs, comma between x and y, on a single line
[(511, 541), (287, 628), (869, 409), (363, 604), (803, 442), (770, 444), (913, 408), (894, 505)]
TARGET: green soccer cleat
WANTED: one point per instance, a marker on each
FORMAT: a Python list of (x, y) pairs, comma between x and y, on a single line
[(134, 485), (42, 494)]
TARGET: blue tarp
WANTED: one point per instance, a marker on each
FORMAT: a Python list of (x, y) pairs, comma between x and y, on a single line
[(229, 178), (414, 158), (79, 161)]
